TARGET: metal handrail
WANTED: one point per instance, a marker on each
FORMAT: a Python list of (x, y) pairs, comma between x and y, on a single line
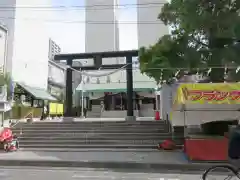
[(20, 119)]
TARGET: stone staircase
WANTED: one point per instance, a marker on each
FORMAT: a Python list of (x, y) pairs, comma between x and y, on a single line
[(79, 135)]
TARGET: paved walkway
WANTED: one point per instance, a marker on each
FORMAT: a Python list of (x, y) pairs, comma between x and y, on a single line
[(20, 173), (107, 155), (148, 161)]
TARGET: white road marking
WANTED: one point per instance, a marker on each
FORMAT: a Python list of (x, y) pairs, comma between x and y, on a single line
[(90, 176)]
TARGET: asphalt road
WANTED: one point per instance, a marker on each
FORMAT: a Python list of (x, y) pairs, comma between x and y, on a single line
[(18, 173)]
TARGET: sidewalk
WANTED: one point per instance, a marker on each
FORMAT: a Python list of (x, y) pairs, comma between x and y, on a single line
[(147, 161)]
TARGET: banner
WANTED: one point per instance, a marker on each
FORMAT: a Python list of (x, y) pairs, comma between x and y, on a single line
[(208, 93), (55, 109)]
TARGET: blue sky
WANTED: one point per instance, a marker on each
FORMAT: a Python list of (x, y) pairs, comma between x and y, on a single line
[(71, 36)]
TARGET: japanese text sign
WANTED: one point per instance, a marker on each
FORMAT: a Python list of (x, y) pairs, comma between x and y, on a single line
[(212, 93)]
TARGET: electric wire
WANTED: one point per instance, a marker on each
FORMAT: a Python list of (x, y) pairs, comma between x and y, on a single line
[(83, 22), (105, 6), (116, 70)]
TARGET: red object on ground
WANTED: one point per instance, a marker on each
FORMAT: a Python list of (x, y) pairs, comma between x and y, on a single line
[(157, 115), (12, 148), (6, 134), (206, 149), (167, 145)]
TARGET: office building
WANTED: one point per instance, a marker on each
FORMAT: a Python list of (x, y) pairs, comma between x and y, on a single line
[(27, 42), (8, 21), (3, 49), (150, 28), (102, 31)]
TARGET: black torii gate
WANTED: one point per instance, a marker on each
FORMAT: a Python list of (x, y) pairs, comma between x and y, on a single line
[(97, 57)]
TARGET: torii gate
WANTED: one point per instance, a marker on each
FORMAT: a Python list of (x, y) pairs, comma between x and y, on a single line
[(97, 57)]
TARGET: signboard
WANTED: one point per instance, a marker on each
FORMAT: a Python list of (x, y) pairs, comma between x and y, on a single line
[(208, 93)]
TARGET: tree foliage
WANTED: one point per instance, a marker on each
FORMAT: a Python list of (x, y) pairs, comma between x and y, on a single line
[(6, 80), (205, 35)]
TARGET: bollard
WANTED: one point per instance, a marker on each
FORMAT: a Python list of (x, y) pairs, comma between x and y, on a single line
[(157, 115)]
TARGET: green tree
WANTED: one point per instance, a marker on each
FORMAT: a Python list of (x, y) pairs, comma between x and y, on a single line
[(6, 80), (205, 35)]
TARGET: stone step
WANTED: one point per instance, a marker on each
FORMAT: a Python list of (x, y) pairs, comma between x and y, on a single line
[(115, 146), (90, 150), (110, 131), (107, 129), (95, 136), (98, 136), (89, 141), (102, 134), (90, 123), (71, 135), (90, 128)]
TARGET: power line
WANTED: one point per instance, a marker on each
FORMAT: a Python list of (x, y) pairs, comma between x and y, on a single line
[(81, 7), (83, 22), (157, 68)]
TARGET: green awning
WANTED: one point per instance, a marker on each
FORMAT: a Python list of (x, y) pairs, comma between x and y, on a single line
[(38, 93), (117, 87), (120, 90)]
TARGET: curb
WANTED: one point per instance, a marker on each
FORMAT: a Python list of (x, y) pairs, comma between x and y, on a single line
[(194, 167), (88, 150)]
